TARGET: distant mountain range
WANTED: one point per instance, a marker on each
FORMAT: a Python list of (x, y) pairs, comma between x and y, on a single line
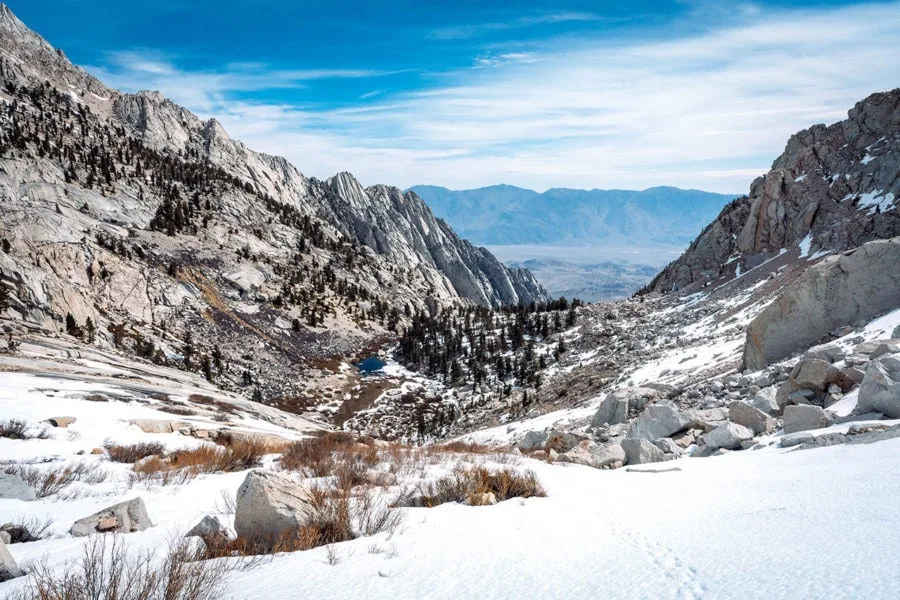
[(509, 215)]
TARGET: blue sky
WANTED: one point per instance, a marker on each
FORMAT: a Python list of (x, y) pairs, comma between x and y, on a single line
[(693, 93)]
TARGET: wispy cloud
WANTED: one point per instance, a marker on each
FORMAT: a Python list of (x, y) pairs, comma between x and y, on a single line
[(474, 30), (707, 110)]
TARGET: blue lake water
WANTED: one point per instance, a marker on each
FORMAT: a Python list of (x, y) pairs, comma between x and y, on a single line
[(370, 365)]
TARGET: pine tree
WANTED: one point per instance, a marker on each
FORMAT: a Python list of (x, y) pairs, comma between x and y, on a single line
[(188, 349), (72, 327), (90, 331), (4, 295)]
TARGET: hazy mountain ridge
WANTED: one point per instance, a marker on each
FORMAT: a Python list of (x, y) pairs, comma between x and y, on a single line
[(507, 215)]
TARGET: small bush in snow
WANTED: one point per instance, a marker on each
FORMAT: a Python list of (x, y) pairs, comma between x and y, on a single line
[(470, 484), (49, 480), (107, 571), (15, 429), (132, 453)]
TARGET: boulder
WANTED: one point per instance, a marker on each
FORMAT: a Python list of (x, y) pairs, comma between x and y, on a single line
[(659, 421), (124, 517), (639, 451), (616, 406), (751, 417), (8, 567), (795, 439), (728, 436), (880, 389), (563, 441), (208, 526), (709, 418), (607, 455), (685, 439), (606, 411), (668, 446), (804, 417), (867, 348), (765, 400), (817, 375), (13, 487), (270, 504), (831, 354), (840, 290), (532, 440), (60, 421), (158, 425), (885, 348), (594, 455)]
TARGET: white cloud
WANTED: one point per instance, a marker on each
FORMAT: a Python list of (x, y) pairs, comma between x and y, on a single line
[(708, 110), (473, 30)]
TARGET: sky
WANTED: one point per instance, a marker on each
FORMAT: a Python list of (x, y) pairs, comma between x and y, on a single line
[(692, 93)]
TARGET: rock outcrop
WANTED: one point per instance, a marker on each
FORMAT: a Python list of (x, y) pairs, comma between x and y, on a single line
[(834, 188), (841, 290)]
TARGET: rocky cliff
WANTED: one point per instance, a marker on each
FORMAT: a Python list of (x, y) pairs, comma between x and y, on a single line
[(834, 188)]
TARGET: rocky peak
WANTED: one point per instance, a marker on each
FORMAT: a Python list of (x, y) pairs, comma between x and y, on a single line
[(11, 26), (832, 189)]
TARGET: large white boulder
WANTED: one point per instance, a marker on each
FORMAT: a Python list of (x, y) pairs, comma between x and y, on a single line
[(659, 421), (8, 567), (270, 504), (639, 451), (880, 389), (124, 517), (728, 436), (840, 290), (751, 417), (12, 487), (617, 405), (803, 417)]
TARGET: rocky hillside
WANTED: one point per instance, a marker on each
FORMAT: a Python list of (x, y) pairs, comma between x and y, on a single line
[(834, 188), (128, 221)]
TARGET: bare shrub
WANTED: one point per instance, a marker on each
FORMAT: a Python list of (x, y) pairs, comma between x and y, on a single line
[(107, 571), (47, 481), (373, 514), (159, 471), (181, 466), (469, 484), (28, 529), (461, 448), (335, 454), (203, 399), (131, 453), (174, 409), (16, 429), (331, 555), (315, 456)]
